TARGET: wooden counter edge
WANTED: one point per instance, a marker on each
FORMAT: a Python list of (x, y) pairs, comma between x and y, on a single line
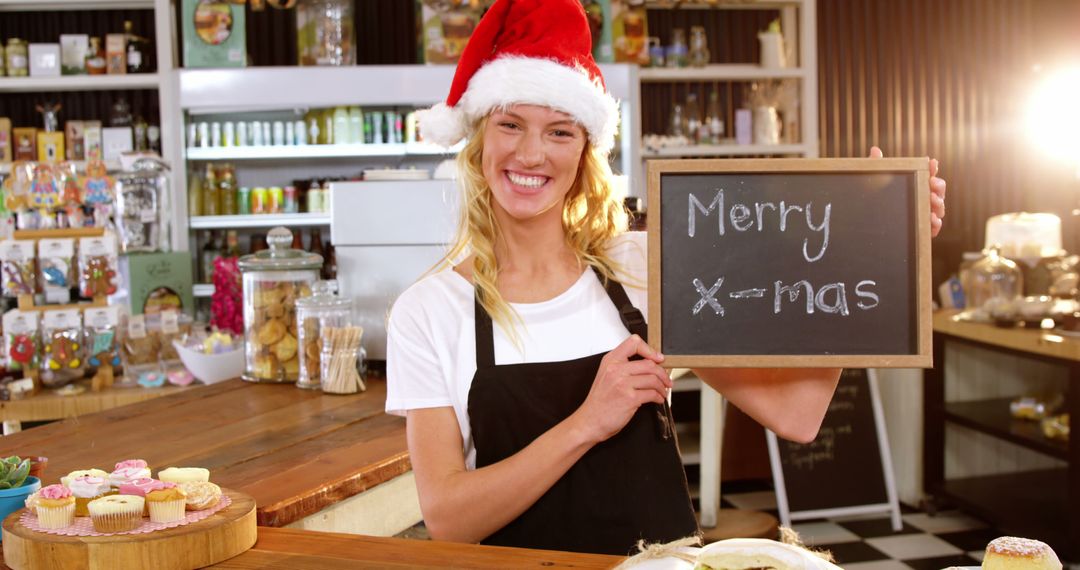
[(1035, 341), (294, 546), (289, 511)]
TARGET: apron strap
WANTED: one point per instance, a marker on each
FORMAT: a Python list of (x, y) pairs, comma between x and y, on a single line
[(485, 337)]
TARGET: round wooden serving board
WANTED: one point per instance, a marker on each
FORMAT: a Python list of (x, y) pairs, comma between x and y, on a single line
[(214, 539)]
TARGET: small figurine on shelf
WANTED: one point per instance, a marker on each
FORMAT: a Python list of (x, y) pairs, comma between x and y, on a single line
[(50, 114), (70, 196), (17, 187), (44, 189), (97, 266)]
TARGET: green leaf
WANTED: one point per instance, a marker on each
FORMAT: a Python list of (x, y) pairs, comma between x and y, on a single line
[(5, 485), (18, 477)]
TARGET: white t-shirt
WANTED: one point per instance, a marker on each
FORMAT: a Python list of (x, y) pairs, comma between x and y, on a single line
[(431, 339)]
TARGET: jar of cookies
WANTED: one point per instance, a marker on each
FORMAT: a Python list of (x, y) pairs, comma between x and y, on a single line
[(313, 315), (274, 279)]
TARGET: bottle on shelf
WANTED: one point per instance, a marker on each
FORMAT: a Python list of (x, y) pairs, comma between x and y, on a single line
[(326, 127), (330, 267), (298, 241), (356, 124), (676, 127), (693, 118), (140, 128), (713, 119), (699, 47), (137, 50), (120, 114), (314, 197), (227, 190), (258, 243), (210, 253), (342, 126), (232, 244), (210, 192), (95, 58), (314, 130), (195, 195), (316, 245)]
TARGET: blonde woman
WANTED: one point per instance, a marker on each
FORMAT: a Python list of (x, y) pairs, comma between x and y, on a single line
[(536, 413)]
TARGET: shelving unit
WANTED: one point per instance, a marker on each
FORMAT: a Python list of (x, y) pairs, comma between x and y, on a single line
[(80, 83), (318, 151), (1035, 503), (64, 5), (258, 221), (701, 151), (799, 25)]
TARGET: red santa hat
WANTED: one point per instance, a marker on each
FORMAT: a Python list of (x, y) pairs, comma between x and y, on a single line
[(535, 52)]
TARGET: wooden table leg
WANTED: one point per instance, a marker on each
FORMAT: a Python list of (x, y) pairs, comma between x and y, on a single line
[(1072, 406), (712, 439), (12, 426), (934, 423)]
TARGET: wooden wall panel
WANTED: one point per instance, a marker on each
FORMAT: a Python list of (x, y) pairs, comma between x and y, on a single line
[(949, 79)]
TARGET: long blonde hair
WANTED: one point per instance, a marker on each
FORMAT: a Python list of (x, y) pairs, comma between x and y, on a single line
[(592, 215)]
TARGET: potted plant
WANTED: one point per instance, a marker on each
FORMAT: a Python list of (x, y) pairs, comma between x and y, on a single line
[(15, 484)]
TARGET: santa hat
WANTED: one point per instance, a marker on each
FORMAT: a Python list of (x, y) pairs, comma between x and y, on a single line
[(535, 52)]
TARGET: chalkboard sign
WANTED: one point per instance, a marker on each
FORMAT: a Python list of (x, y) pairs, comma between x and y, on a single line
[(847, 469), (790, 262)]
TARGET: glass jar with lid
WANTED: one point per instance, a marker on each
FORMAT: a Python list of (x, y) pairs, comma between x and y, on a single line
[(996, 285), (274, 279), (315, 315), (17, 56), (325, 32)]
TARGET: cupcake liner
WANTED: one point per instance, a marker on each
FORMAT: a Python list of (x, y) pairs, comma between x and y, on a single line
[(166, 511), (56, 517), (84, 525), (116, 522)]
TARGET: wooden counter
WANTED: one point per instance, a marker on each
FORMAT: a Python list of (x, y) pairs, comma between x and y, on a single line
[(48, 405), (295, 451), (1038, 503), (287, 549)]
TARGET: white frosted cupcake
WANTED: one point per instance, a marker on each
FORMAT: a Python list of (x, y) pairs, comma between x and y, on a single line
[(128, 471), (167, 503), (55, 507), (116, 513), (184, 475), (67, 479), (86, 489)]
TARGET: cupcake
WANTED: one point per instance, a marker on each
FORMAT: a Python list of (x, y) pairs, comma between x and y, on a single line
[(116, 513), (67, 479), (201, 495), (87, 488), (55, 507), (166, 503), (184, 475), (128, 471)]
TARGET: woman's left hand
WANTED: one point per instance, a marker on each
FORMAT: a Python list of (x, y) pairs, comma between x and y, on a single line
[(937, 193)]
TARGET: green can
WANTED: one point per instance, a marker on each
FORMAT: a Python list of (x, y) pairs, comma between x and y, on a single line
[(243, 200)]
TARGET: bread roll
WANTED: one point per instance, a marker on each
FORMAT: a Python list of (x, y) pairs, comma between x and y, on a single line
[(1012, 553)]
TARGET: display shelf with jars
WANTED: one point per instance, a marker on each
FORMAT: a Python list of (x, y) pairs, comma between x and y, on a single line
[(79, 83)]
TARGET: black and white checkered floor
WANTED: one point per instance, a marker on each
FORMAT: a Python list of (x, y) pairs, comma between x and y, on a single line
[(868, 542)]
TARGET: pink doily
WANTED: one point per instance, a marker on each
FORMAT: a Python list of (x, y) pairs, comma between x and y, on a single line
[(85, 527)]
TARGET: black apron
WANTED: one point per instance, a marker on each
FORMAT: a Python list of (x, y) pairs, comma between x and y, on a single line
[(627, 488)]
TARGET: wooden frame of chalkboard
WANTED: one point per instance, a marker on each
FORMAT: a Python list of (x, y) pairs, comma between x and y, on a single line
[(897, 337)]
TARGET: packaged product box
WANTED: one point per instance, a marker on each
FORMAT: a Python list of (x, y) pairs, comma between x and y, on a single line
[(158, 282), (25, 143), (116, 54), (92, 140), (629, 32), (116, 141), (44, 60), (600, 24), (446, 27), (73, 138), (73, 50), (5, 140), (214, 34), (50, 146)]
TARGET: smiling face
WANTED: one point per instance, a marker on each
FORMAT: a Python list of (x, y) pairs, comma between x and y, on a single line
[(530, 160)]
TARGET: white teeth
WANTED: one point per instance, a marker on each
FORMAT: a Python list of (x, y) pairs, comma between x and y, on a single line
[(527, 181)]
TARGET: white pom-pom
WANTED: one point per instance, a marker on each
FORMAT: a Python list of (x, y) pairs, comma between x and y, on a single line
[(441, 125)]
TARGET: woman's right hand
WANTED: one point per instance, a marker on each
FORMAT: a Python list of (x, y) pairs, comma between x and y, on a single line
[(621, 386)]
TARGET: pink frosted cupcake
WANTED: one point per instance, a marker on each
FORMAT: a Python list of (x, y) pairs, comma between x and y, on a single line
[(128, 471), (139, 488), (86, 489), (55, 507)]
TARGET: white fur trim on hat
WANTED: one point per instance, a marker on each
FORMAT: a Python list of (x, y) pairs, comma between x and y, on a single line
[(514, 80)]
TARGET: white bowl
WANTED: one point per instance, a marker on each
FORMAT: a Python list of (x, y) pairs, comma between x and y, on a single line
[(212, 368)]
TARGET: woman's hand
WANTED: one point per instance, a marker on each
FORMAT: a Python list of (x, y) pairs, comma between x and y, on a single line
[(621, 386), (937, 193)]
